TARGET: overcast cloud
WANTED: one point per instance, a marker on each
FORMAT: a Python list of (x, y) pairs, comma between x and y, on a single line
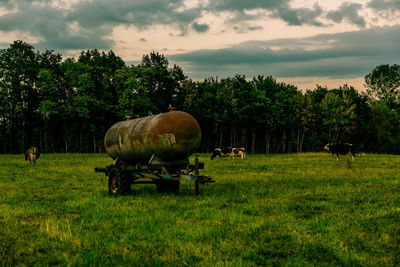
[(347, 54), (283, 38), (350, 12)]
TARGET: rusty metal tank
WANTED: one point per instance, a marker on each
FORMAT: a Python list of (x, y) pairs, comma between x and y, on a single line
[(159, 139)]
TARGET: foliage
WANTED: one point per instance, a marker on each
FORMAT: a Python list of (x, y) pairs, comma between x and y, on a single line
[(67, 105), (383, 82), (386, 125), (18, 71), (162, 84), (338, 113)]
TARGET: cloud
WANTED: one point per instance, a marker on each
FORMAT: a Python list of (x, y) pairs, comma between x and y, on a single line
[(347, 54), (53, 28), (271, 8), (140, 14), (8, 4), (386, 9), (200, 27), (254, 28), (349, 12), (87, 24), (281, 9), (310, 16), (82, 24), (245, 28), (239, 5), (385, 5)]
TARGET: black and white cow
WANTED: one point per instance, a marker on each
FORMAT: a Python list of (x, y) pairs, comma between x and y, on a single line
[(221, 152), (240, 151), (341, 149)]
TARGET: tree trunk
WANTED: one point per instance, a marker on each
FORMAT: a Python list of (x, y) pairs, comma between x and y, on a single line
[(234, 136), (65, 140), (101, 146), (244, 138), (94, 144), (23, 141), (298, 139), (231, 137), (253, 140), (45, 140), (336, 136), (40, 140), (220, 137), (342, 135), (80, 141), (284, 141), (267, 140), (302, 139)]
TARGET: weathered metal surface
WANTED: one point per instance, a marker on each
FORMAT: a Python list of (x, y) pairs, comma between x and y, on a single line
[(167, 137)]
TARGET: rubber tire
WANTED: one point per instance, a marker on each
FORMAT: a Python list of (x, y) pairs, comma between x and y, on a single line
[(118, 184)]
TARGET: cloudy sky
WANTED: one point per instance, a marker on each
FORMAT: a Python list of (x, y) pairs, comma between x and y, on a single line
[(303, 42)]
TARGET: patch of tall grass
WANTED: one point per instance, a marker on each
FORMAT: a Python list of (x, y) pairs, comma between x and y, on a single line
[(297, 209)]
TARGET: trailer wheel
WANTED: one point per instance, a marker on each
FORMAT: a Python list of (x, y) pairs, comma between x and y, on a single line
[(168, 187), (118, 184)]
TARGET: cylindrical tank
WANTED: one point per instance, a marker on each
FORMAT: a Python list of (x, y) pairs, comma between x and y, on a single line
[(171, 136)]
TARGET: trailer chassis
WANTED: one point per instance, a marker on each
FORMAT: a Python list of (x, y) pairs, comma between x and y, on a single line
[(166, 177)]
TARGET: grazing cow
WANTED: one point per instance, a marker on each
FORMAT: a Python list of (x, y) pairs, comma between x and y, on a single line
[(221, 152), (32, 154), (240, 151), (342, 149)]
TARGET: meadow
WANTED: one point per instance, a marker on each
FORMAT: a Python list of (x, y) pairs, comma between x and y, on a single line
[(294, 209)]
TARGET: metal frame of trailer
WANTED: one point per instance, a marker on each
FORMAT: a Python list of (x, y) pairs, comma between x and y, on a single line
[(167, 178)]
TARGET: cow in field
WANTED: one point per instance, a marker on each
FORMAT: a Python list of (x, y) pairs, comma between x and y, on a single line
[(32, 154), (221, 152), (341, 149), (240, 151)]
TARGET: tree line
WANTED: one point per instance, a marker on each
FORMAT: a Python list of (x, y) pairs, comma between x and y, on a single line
[(68, 105)]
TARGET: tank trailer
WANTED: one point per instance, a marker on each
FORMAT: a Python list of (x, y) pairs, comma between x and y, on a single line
[(153, 150)]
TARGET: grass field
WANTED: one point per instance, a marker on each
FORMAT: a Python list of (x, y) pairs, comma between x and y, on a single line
[(298, 209)]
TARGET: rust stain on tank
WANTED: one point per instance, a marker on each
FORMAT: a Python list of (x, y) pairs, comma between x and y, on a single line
[(170, 136)]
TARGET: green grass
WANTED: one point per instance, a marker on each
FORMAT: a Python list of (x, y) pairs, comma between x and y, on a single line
[(299, 209)]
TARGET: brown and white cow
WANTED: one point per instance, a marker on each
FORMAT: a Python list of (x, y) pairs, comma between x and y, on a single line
[(32, 154), (239, 151)]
